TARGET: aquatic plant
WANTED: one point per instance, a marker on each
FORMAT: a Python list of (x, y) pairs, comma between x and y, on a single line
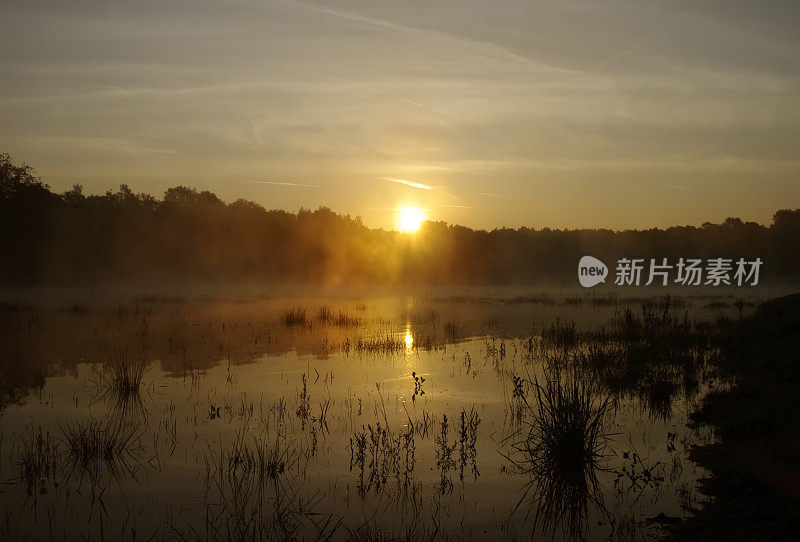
[(453, 330), (294, 317), (419, 380), (387, 344), (468, 443), (35, 457), (95, 448), (560, 334), (378, 454), (327, 316), (121, 375), (561, 447), (251, 491)]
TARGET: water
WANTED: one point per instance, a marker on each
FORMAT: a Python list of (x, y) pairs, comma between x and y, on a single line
[(246, 427)]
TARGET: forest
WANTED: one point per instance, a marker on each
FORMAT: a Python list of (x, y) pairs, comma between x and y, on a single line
[(69, 238)]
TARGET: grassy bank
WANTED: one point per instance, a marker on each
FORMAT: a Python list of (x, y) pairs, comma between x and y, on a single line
[(754, 483)]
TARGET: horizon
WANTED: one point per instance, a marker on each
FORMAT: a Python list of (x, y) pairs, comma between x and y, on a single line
[(613, 115), (408, 218)]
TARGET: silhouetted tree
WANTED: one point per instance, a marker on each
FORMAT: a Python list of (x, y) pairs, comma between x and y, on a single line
[(122, 235)]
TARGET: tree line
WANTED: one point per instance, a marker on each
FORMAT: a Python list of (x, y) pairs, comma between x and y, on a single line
[(47, 238)]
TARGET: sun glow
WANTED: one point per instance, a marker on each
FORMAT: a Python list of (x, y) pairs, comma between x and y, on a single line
[(409, 218)]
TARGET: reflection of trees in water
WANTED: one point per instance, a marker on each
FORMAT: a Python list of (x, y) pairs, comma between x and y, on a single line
[(19, 380)]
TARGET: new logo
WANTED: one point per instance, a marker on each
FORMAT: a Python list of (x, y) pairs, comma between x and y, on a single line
[(591, 271)]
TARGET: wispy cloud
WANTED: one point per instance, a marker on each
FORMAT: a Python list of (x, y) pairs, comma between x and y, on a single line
[(448, 36), (295, 185), (409, 183), (493, 195), (676, 187), (440, 112)]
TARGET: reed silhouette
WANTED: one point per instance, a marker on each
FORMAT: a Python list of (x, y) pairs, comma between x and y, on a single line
[(560, 446)]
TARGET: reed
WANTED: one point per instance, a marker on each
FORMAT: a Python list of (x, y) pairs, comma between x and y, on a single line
[(561, 447)]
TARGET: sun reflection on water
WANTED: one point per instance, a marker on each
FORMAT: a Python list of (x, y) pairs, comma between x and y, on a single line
[(409, 339)]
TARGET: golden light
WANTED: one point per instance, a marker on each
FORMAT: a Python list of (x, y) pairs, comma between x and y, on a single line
[(409, 218), (409, 339)]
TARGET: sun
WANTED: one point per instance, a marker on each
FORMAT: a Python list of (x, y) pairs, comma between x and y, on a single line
[(409, 218)]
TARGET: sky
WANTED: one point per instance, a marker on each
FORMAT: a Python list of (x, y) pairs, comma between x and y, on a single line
[(561, 114)]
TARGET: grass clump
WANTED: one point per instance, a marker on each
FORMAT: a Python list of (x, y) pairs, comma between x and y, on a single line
[(453, 330), (561, 447), (295, 317), (36, 458), (254, 488), (327, 316), (122, 375), (381, 345), (95, 447), (561, 334)]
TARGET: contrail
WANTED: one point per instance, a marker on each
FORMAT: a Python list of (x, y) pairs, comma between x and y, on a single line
[(493, 195), (440, 112), (409, 183), (287, 184)]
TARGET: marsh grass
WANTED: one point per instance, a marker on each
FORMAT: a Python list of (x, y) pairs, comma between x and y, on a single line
[(468, 443), (410, 528), (253, 491), (36, 457), (260, 457), (121, 375), (632, 363), (561, 334), (82, 450), (453, 330), (651, 354), (327, 316), (378, 454), (540, 299), (95, 448), (657, 322), (561, 446), (658, 394), (444, 458), (295, 317), (257, 485), (381, 345)]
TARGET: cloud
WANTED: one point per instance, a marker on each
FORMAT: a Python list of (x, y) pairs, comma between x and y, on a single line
[(493, 195), (412, 184), (440, 112), (676, 187), (294, 185)]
